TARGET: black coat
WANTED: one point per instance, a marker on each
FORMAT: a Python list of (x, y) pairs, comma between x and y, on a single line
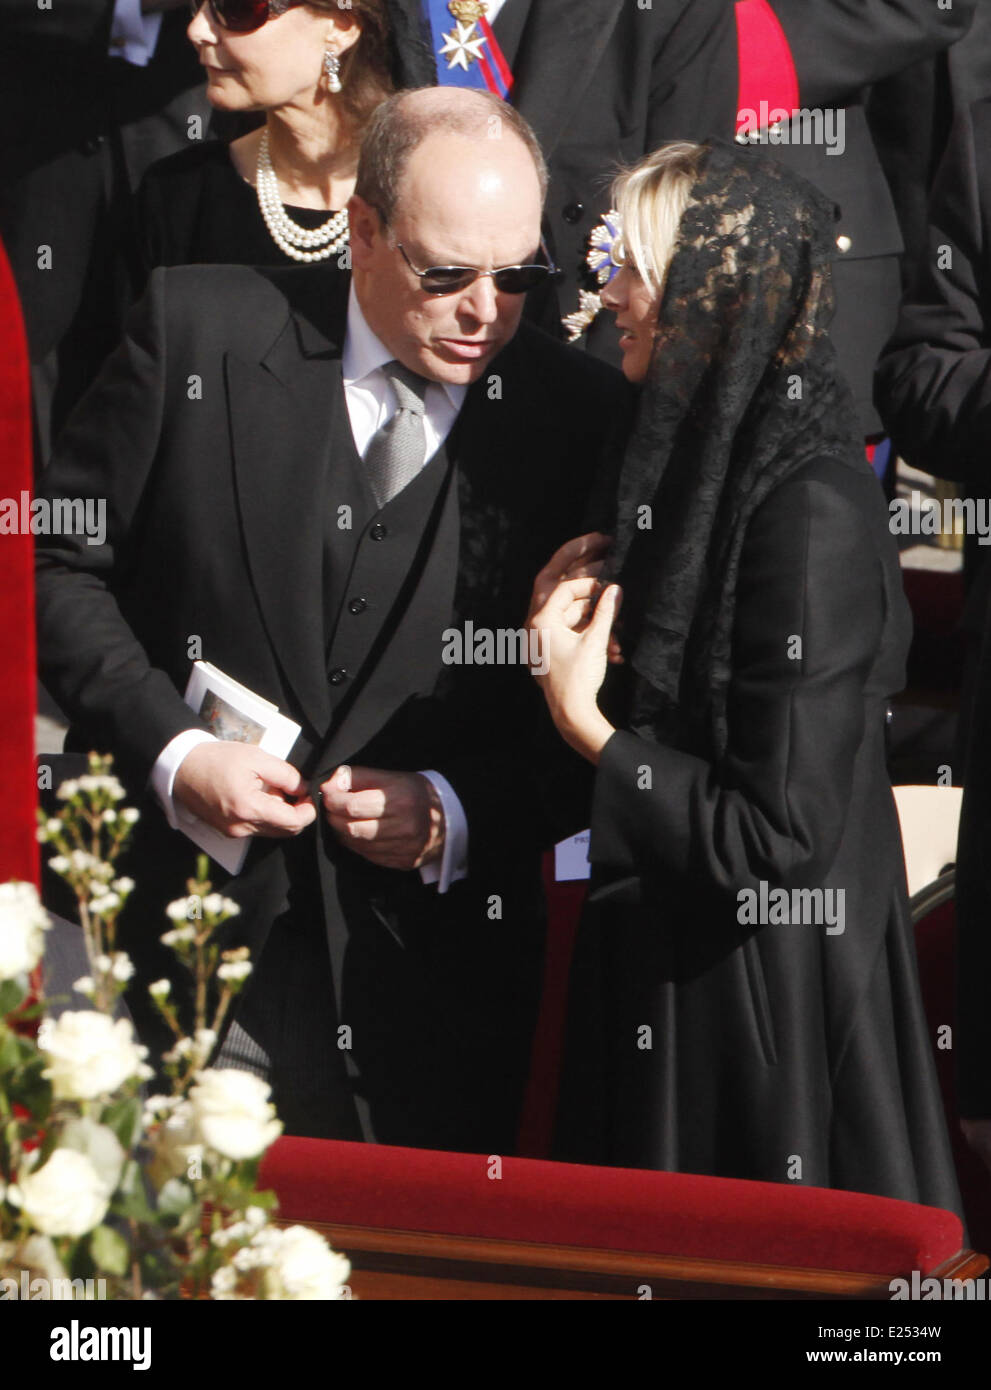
[(911, 115), (840, 51), (789, 1051), (602, 84), (932, 385), (84, 126), (218, 528)]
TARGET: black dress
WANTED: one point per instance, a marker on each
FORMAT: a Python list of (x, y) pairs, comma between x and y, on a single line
[(746, 1001), (194, 208), (793, 1051)]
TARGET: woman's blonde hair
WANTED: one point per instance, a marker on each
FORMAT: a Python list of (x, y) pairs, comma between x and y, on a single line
[(651, 198)]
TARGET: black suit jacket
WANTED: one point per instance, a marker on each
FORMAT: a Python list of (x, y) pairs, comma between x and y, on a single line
[(91, 124), (932, 383), (206, 431), (840, 50), (934, 390), (603, 84), (911, 115)]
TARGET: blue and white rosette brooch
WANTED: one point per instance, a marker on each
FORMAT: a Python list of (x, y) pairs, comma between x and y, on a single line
[(601, 261)]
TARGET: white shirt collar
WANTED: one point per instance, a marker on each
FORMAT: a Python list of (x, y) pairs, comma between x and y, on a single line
[(365, 353)]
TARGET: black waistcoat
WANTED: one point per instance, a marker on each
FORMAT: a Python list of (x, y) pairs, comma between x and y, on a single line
[(373, 557)]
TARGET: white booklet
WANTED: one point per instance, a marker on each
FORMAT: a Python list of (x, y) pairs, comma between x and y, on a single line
[(233, 712), (571, 858)]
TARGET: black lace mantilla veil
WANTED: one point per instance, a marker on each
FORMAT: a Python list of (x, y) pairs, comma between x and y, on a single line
[(742, 390)]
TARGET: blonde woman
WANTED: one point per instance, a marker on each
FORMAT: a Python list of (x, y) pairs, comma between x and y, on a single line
[(744, 993)]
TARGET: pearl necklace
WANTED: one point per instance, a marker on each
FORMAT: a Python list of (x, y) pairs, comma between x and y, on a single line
[(296, 241)]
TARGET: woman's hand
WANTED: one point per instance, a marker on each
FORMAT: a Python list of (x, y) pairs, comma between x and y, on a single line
[(574, 645), (578, 559)]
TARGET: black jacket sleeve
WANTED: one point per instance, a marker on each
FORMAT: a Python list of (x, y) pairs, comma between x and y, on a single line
[(933, 383), (775, 808), (89, 658), (842, 46)]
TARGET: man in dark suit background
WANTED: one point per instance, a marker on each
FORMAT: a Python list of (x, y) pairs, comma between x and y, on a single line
[(934, 392), (911, 115), (96, 90), (227, 435), (828, 55)]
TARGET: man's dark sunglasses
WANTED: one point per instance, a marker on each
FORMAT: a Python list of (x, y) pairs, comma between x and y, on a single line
[(243, 16), (449, 279)]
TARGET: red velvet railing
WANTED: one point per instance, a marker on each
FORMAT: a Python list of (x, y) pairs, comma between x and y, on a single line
[(18, 781)]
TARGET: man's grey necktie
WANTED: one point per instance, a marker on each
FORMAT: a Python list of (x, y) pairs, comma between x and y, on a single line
[(397, 450)]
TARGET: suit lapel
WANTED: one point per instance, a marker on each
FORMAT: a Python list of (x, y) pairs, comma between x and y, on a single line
[(558, 55), (280, 413)]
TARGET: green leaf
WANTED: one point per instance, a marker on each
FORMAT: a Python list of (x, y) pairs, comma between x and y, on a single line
[(124, 1118), (10, 1050), (174, 1197), (11, 995), (110, 1250), (131, 1199)]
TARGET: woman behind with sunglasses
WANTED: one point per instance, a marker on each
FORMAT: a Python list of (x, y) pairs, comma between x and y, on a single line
[(278, 195), (745, 1000)]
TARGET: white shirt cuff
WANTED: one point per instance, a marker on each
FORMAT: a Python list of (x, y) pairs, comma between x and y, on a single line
[(163, 774), (133, 35), (453, 863)]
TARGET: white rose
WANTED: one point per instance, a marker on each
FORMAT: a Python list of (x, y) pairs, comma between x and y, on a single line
[(66, 1197), (39, 1254), (23, 923), (301, 1265), (223, 1283), (89, 1054), (99, 1144), (233, 1113)]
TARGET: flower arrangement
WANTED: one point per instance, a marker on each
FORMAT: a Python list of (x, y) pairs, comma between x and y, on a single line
[(154, 1196)]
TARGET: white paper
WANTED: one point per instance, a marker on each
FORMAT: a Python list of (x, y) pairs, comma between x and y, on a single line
[(234, 713), (571, 858)]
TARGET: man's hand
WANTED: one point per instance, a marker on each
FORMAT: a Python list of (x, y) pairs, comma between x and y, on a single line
[(978, 1136), (393, 819), (240, 790)]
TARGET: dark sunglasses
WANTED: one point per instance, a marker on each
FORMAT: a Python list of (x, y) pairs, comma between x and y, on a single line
[(242, 16), (510, 279)]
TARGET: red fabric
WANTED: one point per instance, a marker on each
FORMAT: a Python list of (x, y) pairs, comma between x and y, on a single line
[(678, 1214), (766, 68), (19, 787), (935, 942), (936, 659)]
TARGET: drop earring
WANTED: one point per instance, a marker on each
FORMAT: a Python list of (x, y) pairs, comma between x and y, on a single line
[(332, 67)]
